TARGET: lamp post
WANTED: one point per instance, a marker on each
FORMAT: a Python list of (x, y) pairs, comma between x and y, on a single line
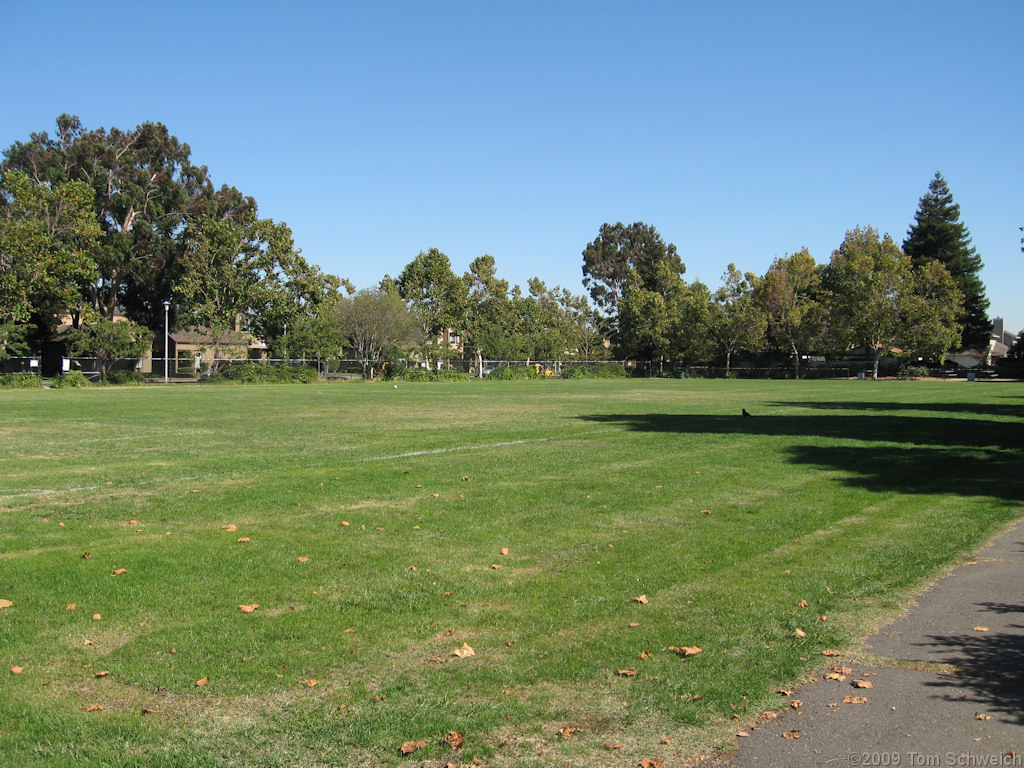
[(167, 308)]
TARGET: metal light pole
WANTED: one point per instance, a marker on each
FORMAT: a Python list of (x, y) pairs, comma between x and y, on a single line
[(167, 308)]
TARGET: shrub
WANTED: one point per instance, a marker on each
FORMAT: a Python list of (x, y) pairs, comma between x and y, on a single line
[(421, 374), (257, 373), (125, 378), (21, 381), (71, 380), (516, 373), (915, 371), (594, 371)]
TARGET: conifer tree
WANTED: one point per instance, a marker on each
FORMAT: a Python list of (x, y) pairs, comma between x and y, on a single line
[(937, 234)]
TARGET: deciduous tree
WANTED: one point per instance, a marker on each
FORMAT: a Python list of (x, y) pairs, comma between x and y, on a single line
[(47, 233), (788, 293)]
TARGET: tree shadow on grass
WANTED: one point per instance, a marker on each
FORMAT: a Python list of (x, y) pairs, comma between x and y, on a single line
[(905, 454), (1012, 410)]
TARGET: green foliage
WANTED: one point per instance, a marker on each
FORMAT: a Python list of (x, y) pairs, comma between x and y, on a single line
[(938, 235), (915, 371), (70, 380), (125, 378), (21, 381), (259, 373), (108, 341), (422, 374), (516, 373), (46, 235), (594, 371)]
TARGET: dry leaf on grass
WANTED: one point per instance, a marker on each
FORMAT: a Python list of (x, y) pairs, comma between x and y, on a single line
[(97, 616), (102, 673), (17, 670), (248, 608), (644, 655), (230, 528), (411, 746), (119, 571), (831, 653), (625, 672), (454, 739), (243, 540), (686, 650), (311, 683), (303, 559), (567, 731), (504, 550), (202, 681), (71, 607), (651, 763), (802, 604), (799, 632), (642, 599), (5, 604), (94, 708), (616, 745), (464, 652)]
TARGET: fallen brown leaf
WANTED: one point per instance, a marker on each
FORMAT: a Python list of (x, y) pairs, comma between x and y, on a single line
[(17, 670), (642, 599), (835, 676), (94, 708), (86, 555), (243, 540), (303, 559), (464, 652), (831, 653), (230, 527), (799, 632), (346, 523), (791, 735), (102, 673), (982, 716), (644, 655), (855, 700), (454, 739), (411, 746), (742, 734), (567, 731), (796, 704), (625, 672), (686, 650), (202, 681), (119, 571), (311, 683), (652, 763), (97, 616), (616, 745), (5, 604), (862, 684), (786, 691), (248, 608), (71, 607), (504, 550), (802, 604), (981, 629)]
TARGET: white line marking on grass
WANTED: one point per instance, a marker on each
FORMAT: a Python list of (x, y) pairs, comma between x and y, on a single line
[(85, 488), (480, 446)]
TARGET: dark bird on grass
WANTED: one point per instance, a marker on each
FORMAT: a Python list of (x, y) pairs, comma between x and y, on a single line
[(744, 411)]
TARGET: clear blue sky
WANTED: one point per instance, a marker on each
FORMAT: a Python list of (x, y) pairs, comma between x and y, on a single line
[(741, 130)]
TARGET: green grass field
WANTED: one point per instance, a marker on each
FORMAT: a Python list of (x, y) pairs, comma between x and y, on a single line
[(381, 529)]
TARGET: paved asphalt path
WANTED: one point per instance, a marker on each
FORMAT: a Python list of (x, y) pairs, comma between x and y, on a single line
[(947, 683)]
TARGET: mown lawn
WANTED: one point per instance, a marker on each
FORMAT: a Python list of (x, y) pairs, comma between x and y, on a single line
[(378, 530)]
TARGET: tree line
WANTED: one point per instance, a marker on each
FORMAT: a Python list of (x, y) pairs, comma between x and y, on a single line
[(106, 226)]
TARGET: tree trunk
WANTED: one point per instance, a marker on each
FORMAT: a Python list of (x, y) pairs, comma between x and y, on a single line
[(796, 360)]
